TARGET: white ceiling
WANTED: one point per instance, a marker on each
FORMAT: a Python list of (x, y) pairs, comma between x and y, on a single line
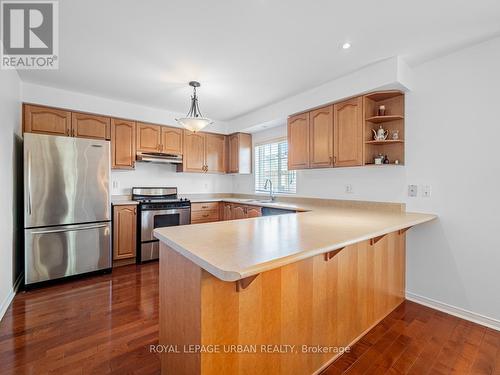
[(246, 53)]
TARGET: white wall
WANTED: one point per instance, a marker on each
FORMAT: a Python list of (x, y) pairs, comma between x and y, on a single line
[(452, 131), (10, 118), (146, 174), (453, 128)]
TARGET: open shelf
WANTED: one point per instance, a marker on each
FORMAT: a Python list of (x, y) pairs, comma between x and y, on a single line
[(384, 142), (384, 95), (379, 119)]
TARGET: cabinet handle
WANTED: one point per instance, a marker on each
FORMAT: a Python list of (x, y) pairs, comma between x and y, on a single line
[(68, 132), (334, 160), (206, 215), (204, 206)]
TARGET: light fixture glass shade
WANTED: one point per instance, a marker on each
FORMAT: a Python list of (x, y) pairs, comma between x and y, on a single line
[(194, 124)]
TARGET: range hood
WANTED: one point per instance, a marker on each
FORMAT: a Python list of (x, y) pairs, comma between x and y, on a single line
[(158, 157)]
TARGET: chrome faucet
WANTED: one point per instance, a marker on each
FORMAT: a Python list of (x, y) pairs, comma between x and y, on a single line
[(271, 194)]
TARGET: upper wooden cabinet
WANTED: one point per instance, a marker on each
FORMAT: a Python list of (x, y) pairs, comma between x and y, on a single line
[(45, 120), (122, 144), (193, 159), (298, 141), (124, 231), (90, 126), (203, 152), (321, 137), (240, 153), (215, 153), (148, 137), (171, 140), (348, 133)]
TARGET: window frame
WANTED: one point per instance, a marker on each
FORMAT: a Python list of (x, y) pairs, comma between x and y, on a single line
[(275, 192)]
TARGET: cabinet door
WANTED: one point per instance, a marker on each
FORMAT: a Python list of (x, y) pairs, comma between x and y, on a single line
[(239, 212), (321, 137), (122, 144), (298, 141), (253, 211), (227, 213), (233, 153), (194, 152), (148, 138), (90, 126), (171, 140), (124, 232), (214, 153), (348, 133), (38, 119)]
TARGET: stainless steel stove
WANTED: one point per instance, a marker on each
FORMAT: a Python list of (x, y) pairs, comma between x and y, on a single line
[(158, 208)]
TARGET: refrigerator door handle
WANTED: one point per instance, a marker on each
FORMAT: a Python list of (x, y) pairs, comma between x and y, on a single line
[(82, 227), (29, 183)]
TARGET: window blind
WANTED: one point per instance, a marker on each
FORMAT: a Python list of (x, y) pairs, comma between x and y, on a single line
[(271, 162)]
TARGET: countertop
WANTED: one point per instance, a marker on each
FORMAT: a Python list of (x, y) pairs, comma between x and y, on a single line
[(233, 250)]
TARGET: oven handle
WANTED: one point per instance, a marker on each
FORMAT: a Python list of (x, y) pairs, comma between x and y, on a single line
[(165, 212)]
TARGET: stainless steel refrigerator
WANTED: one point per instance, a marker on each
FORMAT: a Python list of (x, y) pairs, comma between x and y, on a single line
[(67, 208)]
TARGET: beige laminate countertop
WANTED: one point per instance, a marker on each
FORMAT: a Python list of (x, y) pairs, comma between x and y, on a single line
[(233, 250)]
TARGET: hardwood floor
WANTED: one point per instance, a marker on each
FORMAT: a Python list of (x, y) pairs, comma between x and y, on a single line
[(105, 324)]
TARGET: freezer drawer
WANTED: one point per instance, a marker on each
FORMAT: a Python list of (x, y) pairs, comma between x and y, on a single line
[(55, 252)]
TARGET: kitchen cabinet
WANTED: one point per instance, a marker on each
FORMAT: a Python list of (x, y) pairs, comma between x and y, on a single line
[(215, 153), (148, 137), (227, 211), (203, 152), (45, 120), (240, 153), (204, 212), (122, 144), (348, 133), (124, 231), (171, 140), (194, 152), (237, 211), (321, 137), (90, 126), (298, 141)]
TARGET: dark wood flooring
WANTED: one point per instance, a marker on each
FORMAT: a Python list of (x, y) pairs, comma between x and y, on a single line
[(105, 324)]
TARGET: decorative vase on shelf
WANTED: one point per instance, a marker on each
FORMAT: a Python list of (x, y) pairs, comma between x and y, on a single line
[(381, 110), (395, 135), (380, 135)]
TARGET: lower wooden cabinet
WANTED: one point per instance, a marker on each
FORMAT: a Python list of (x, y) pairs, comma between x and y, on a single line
[(205, 212), (124, 231), (234, 211)]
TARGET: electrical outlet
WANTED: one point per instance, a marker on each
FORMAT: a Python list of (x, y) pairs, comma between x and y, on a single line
[(426, 191), (348, 188), (412, 190), (116, 184)]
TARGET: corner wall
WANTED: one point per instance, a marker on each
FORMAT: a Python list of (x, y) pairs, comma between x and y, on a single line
[(10, 148)]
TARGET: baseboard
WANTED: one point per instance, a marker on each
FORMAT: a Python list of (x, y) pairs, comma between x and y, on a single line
[(7, 301), (455, 311)]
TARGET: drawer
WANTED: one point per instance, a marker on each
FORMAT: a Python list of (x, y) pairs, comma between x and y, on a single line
[(204, 216), (205, 206)]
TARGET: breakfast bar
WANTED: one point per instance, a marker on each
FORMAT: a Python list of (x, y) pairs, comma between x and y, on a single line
[(282, 294)]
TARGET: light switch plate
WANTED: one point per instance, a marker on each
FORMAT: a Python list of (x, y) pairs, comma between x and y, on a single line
[(426, 191), (412, 190)]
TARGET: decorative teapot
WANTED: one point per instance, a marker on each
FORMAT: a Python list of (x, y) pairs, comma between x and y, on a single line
[(380, 134)]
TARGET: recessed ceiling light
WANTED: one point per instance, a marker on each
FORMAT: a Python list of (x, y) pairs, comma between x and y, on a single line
[(346, 45)]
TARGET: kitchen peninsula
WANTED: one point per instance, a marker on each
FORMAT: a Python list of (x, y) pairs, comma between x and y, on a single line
[(315, 279)]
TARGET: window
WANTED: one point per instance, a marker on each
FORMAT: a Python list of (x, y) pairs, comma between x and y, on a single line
[(271, 162)]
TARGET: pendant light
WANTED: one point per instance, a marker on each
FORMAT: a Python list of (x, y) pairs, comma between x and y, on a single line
[(194, 120)]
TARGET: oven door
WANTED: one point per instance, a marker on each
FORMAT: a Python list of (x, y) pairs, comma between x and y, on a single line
[(152, 219)]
